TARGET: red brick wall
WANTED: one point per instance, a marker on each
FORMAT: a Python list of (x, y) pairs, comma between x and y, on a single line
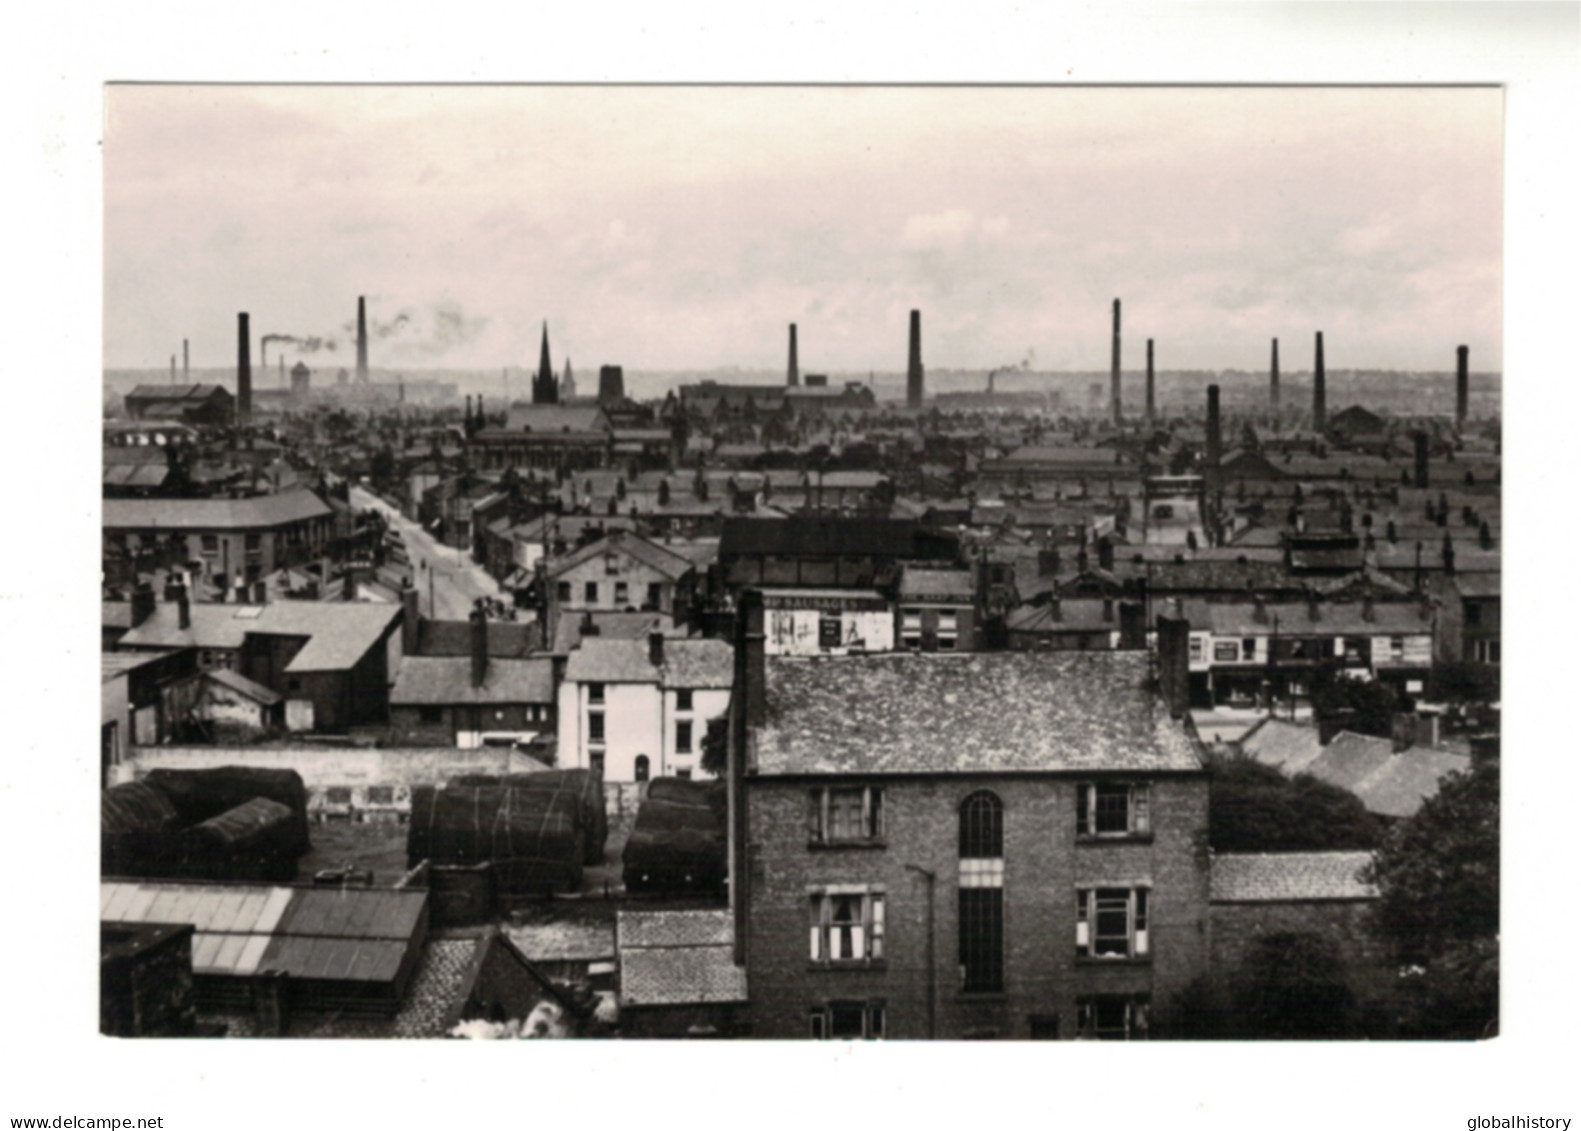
[(1044, 864)]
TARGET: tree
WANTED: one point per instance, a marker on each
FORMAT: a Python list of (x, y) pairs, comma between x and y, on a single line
[(1438, 905), (1255, 808), (716, 746), (1359, 705), (1293, 985)]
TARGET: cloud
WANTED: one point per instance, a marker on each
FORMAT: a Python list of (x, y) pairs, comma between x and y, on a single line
[(950, 230)]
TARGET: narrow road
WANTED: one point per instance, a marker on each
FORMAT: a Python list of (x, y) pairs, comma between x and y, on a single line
[(447, 580)]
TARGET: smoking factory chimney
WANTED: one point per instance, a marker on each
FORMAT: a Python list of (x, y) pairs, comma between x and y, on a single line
[(244, 370), (1319, 394), (791, 372), (914, 364), (362, 338), (1462, 385)]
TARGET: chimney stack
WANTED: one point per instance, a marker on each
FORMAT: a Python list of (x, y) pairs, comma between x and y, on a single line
[(1419, 444), (1106, 554), (1148, 410), (746, 714), (362, 339), (1215, 452), (914, 363), (1114, 368), (142, 602), (186, 366), (1319, 394), (183, 608), (172, 369), (244, 370), (411, 620), (792, 374), (656, 649), (1174, 663), (1273, 379), (1462, 385), (480, 647)]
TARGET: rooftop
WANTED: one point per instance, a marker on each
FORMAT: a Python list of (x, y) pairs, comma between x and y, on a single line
[(692, 662), (624, 542), (1290, 876), (895, 713), (339, 633), (444, 680), (677, 958), (213, 514)]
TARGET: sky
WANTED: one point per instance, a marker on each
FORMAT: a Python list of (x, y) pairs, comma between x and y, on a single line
[(665, 228)]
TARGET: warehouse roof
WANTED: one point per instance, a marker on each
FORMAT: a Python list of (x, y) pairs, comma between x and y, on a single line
[(1290, 876), (213, 514), (896, 713)]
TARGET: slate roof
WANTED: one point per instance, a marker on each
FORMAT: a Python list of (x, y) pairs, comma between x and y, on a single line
[(1400, 786), (506, 639), (900, 713), (113, 664), (1289, 747), (213, 514), (1399, 618), (242, 685), (340, 633), (554, 418), (936, 585), (611, 626), (677, 958), (688, 663), (1076, 614), (819, 535), (650, 554), (444, 680), (1282, 877), (1350, 758)]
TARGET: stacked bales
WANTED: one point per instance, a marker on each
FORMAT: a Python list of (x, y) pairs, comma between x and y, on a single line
[(533, 839), (254, 841), (678, 840), (588, 789), (137, 824), (202, 795)]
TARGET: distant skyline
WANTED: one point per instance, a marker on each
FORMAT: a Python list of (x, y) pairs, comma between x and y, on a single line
[(673, 228)]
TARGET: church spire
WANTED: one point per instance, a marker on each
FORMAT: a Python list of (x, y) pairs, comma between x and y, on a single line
[(545, 390)]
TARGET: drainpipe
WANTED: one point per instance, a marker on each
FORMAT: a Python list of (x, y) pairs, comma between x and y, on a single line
[(932, 969)]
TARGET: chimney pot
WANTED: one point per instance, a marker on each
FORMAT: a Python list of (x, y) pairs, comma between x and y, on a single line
[(480, 647)]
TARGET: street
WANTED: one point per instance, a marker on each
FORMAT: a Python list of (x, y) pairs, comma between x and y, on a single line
[(447, 580)]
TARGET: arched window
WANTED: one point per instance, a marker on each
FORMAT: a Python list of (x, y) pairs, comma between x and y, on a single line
[(642, 767), (981, 886)]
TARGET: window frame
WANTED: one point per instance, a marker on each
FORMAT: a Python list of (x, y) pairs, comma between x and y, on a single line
[(821, 832), (683, 700), (590, 592), (1136, 1017), (1093, 903), (683, 736), (596, 732), (980, 918), (820, 1019), (1138, 810), (859, 936)]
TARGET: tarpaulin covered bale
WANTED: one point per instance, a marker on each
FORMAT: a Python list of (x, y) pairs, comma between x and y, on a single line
[(583, 784), (678, 840), (201, 795), (136, 827), (533, 840), (252, 841)]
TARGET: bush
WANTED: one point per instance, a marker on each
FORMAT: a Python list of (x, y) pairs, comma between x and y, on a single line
[(1255, 808)]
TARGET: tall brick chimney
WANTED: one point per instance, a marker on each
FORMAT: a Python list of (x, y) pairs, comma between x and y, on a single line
[(914, 363), (1114, 368), (362, 338), (1419, 445), (186, 363), (1215, 449), (172, 369), (1273, 379), (792, 374), (1148, 410), (1462, 385), (611, 384), (656, 649), (1319, 393), (244, 370), (1174, 663), (411, 619)]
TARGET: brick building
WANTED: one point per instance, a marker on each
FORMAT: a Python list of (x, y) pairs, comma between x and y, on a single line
[(923, 862)]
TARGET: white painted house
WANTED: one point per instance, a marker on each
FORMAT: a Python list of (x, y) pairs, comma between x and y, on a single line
[(638, 709)]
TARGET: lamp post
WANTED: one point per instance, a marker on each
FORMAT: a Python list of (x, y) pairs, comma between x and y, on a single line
[(932, 972)]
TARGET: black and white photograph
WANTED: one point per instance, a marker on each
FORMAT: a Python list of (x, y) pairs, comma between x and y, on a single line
[(832, 565)]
